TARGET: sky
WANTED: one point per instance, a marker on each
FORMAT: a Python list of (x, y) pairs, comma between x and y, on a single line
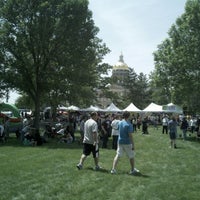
[(134, 28)]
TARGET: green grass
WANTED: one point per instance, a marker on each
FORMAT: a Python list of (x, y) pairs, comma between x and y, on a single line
[(49, 172)]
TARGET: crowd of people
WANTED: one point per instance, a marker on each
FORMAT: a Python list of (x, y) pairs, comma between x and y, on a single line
[(97, 129), (121, 128), (107, 124)]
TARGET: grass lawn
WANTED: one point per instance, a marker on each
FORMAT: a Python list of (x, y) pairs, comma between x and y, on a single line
[(49, 172)]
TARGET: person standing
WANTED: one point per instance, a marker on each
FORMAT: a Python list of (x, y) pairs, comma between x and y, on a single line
[(90, 141), (106, 130), (145, 126), (125, 144), (165, 124), (115, 131), (134, 122), (184, 127), (82, 124), (172, 125), (192, 124), (72, 125)]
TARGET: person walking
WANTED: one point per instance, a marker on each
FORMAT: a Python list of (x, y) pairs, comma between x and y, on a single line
[(90, 141), (125, 144), (115, 131), (172, 125)]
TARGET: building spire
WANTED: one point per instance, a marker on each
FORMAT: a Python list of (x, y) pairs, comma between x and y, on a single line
[(121, 58)]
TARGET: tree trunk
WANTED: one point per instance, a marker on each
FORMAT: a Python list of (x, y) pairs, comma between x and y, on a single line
[(37, 112)]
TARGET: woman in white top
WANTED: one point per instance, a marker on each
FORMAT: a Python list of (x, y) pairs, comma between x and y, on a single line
[(115, 131)]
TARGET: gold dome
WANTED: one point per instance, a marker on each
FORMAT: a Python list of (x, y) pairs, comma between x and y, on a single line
[(120, 65)]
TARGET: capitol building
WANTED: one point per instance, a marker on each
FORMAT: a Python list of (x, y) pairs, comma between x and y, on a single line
[(120, 72)]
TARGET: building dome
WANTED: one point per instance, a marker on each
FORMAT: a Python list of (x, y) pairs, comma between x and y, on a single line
[(121, 65)]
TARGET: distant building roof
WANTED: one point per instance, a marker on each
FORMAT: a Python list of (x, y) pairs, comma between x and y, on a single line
[(121, 65)]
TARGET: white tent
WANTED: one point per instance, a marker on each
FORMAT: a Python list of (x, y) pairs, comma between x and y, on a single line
[(172, 108), (74, 108), (112, 108), (92, 109), (152, 107), (62, 108), (132, 108)]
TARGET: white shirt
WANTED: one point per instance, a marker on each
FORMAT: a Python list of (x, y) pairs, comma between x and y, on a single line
[(90, 128), (165, 121), (115, 127)]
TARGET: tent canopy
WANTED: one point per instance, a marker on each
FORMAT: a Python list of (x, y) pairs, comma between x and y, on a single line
[(74, 108), (132, 108), (152, 107), (92, 109), (112, 108), (62, 108), (10, 107)]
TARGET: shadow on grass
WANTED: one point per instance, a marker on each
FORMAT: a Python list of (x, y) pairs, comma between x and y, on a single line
[(102, 170), (139, 174), (51, 144), (178, 147), (193, 139)]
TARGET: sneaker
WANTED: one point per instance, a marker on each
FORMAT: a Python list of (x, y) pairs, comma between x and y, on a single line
[(97, 168), (79, 166), (113, 171), (134, 172)]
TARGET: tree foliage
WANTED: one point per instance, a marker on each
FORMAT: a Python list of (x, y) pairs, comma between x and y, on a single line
[(177, 61), (49, 49), (138, 88)]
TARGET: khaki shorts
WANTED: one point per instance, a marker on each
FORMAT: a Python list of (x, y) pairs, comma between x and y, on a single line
[(127, 148)]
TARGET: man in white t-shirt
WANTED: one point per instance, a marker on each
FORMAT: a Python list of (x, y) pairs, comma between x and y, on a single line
[(90, 141)]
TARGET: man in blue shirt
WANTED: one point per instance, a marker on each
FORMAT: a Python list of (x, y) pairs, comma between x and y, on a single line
[(125, 144)]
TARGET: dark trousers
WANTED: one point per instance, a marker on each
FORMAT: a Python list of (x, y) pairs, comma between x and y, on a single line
[(165, 129), (104, 140)]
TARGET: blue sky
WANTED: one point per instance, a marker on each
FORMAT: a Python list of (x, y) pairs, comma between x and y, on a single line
[(135, 28)]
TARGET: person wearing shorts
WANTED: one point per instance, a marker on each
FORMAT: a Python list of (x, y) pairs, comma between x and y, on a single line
[(90, 141), (125, 144)]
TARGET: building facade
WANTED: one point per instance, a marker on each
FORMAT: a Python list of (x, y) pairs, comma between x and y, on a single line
[(120, 72)]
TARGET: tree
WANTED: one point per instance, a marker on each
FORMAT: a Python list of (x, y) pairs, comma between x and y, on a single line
[(177, 60), (160, 79), (138, 87), (24, 102), (50, 48)]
